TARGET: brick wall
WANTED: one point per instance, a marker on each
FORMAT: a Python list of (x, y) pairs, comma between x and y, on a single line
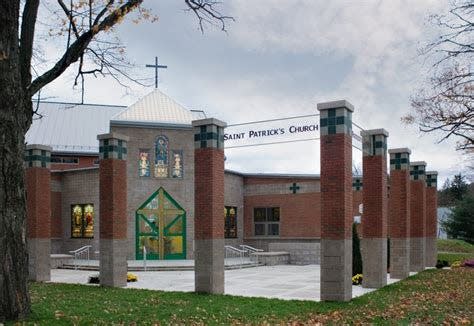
[(431, 212), (209, 171), (37, 200), (85, 161), (399, 204), (337, 160), (417, 208), (113, 199)]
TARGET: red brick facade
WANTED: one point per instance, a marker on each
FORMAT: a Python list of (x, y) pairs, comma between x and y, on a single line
[(336, 187), (431, 212), (113, 199), (209, 193), (374, 219), (38, 202), (399, 204), (417, 208), (84, 161)]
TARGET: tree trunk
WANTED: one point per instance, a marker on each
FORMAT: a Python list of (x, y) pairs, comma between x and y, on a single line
[(15, 119)]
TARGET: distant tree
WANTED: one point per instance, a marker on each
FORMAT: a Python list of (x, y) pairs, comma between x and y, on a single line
[(356, 254), (446, 102), (460, 223), (453, 191), (459, 187)]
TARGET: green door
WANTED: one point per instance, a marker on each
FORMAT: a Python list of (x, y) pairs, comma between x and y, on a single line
[(161, 228)]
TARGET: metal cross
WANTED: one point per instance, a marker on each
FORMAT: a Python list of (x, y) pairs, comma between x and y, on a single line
[(156, 66), (357, 184), (294, 188)]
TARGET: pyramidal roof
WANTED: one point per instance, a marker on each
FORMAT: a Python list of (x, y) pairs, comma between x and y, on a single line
[(157, 109)]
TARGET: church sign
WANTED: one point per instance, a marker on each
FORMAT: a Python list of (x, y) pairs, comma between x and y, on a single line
[(272, 131)]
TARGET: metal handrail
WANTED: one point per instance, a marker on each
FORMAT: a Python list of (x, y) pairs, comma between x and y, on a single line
[(232, 252), (78, 253), (250, 248)]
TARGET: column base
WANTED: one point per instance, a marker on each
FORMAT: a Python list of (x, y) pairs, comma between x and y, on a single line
[(417, 254), (336, 270), (113, 262), (431, 252), (374, 262), (209, 266), (39, 260), (399, 258)]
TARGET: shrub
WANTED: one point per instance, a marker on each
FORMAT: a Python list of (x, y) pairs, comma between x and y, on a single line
[(131, 277), (356, 255), (456, 264), (442, 263)]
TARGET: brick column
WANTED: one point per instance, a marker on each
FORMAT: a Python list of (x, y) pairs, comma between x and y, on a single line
[(374, 218), (417, 216), (399, 212), (208, 205), (113, 209), (431, 225), (336, 200), (38, 211)]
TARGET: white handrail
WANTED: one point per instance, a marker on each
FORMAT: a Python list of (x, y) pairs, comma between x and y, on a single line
[(232, 252), (250, 248), (80, 253)]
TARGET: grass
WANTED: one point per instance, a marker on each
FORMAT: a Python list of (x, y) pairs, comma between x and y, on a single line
[(452, 245), (451, 257), (430, 297)]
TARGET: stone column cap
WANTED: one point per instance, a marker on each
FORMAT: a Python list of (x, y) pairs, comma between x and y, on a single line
[(372, 132), (418, 163), (432, 172), (209, 121), (335, 105), (39, 146), (399, 150), (113, 135)]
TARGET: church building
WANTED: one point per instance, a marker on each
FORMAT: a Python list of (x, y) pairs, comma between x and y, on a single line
[(276, 212)]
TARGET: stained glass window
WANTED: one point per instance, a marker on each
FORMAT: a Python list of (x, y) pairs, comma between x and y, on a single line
[(144, 163), (266, 221), (230, 226), (161, 157), (177, 167), (82, 221)]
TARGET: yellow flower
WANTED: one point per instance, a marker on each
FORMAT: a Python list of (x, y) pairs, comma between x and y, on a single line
[(131, 277)]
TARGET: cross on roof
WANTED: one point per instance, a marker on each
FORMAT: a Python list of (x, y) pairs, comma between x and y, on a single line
[(294, 188), (156, 66)]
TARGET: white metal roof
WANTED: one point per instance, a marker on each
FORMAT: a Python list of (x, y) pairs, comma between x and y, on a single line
[(68, 127), (157, 108)]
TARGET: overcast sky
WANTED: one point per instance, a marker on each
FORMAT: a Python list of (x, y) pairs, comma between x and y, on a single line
[(279, 59)]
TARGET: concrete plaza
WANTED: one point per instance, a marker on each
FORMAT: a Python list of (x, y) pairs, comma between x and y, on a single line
[(287, 282)]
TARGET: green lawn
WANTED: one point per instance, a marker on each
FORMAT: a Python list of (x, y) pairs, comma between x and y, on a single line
[(434, 296), (451, 257), (452, 245)]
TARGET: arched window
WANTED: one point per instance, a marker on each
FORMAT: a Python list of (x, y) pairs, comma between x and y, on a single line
[(161, 157)]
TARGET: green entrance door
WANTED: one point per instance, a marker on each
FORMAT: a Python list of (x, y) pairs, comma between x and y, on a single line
[(161, 228)]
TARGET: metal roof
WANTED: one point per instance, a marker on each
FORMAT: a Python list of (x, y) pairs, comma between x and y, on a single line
[(157, 109), (73, 128), (69, 127)]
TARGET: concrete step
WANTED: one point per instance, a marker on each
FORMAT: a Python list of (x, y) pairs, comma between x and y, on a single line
[(158, 268)]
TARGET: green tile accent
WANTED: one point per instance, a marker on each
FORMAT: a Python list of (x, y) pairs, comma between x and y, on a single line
[(113, 148), (294, 188), (209, 136), (357, 184), (432, 180), (335, 121)]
